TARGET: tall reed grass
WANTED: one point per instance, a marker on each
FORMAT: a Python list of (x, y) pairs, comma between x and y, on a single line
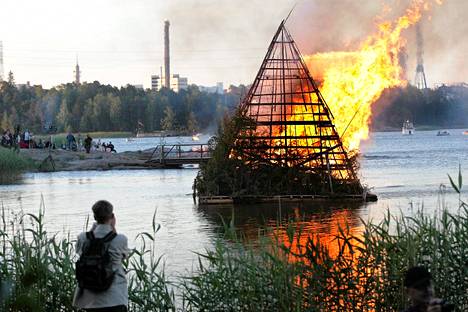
[(286, 271), (12, 164), (37, 269)]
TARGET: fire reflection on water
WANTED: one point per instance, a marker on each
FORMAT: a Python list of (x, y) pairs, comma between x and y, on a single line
[(323, 237)]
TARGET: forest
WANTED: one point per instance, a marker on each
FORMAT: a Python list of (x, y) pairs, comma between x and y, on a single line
[(442, 107), (98, 107)]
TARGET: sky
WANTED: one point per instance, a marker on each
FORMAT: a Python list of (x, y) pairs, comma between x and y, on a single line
[(120, 42)]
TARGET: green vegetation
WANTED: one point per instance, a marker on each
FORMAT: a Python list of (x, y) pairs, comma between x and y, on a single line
[(37, 269), (229, 176), (12, 164), (91, 107), (287, 270)]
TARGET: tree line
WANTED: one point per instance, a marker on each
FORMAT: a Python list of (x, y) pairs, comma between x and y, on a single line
[(444, 107), (97, 107)]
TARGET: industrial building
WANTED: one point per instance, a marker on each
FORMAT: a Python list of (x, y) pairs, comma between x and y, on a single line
[(176, 83), (219, 88)]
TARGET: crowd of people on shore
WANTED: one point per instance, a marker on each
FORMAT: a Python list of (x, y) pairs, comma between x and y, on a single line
[(77, 144), (25, 139)]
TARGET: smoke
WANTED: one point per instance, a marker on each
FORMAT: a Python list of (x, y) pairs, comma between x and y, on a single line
[(223, 38), (229, 39), (341, 25)]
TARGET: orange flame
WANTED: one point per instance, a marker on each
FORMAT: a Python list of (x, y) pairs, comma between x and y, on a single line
[(354, 80)]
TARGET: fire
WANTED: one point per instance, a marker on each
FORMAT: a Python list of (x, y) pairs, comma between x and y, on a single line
[(354, 80)]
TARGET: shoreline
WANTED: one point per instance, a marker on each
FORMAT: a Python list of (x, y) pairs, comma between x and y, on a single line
[(64, 160)]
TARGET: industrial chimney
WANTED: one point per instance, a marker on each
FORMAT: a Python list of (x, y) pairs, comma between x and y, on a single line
[(167, 60)]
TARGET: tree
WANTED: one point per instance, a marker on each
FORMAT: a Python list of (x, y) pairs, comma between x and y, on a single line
[(192, 126), (5, 122), (11, 78), (115, 111), (168, 120)]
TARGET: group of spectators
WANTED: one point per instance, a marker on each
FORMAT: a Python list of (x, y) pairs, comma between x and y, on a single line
[(77, 144), (19, 139)]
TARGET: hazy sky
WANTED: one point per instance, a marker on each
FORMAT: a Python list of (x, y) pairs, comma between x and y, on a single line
[(120, 42)]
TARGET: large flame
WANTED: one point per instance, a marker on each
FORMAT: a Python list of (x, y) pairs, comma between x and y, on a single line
[(354, 80)]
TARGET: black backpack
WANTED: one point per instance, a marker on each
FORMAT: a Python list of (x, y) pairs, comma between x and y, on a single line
[(94, 268)]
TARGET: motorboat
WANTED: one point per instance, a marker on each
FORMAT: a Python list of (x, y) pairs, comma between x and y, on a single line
[(129, 139), (408, 128), (443, 133)]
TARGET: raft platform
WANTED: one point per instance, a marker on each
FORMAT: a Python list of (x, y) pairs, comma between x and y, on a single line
[(251, 199)]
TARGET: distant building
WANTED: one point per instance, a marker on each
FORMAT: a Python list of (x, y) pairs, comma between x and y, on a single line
[(77, 73), (238, 90), (138, 86), (23, 85), (219, 88), (155, 82), (177, 83)]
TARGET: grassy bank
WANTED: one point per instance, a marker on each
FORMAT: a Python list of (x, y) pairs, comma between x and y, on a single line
[(286, 271), (12, 164)]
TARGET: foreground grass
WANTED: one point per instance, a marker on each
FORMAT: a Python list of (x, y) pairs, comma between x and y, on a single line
[(356, 271), (12, 164)]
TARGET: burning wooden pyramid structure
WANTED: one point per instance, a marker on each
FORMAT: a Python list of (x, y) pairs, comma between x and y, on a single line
[(282, 140)]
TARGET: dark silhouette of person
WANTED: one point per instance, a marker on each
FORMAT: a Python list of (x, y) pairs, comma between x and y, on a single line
[(418, 283), (111, 148), (88, 143)]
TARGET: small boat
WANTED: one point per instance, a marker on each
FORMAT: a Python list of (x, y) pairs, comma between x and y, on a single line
[(196, 137), (129, 139), (443, 133), (408, 128)]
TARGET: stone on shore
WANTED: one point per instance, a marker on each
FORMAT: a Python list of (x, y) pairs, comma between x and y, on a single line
[(96, 160)]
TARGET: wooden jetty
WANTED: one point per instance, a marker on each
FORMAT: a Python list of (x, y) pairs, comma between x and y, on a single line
[(176, 155)]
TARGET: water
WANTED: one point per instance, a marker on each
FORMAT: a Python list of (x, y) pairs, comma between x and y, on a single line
[(135, 144), (401, 170)]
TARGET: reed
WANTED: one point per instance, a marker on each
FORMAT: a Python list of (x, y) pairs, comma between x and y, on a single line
[(284, 271), (12, 164), (37, 269)]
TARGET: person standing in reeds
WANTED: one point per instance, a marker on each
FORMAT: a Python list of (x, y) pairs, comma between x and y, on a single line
[(102, 284), (418, 283)]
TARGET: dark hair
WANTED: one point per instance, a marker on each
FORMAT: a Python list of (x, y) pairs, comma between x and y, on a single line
[(103, 211), (418, 277)]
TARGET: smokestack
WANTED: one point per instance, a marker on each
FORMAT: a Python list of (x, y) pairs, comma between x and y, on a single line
[(1, 60), (167, 59)]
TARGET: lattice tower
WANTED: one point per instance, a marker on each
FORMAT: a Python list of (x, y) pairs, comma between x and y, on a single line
[(420, 77)]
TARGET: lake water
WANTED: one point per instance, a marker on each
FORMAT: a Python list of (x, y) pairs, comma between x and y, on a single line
[(402, 170)]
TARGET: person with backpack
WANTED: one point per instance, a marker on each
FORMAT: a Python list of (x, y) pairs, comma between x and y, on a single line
[(102, 284)]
